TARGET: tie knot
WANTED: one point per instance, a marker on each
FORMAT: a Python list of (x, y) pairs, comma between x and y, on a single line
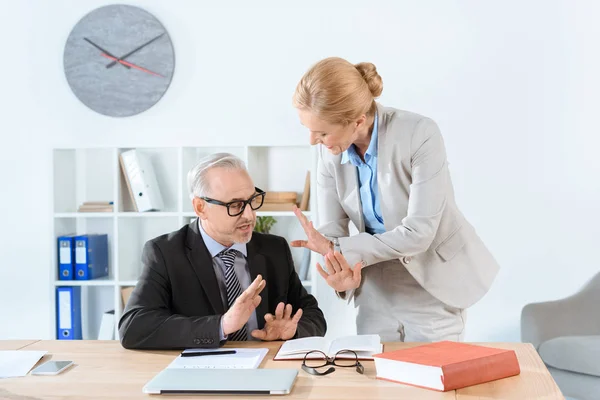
[(228, 256), (228, 251)]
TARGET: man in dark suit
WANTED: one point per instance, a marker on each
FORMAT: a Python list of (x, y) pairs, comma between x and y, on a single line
[(215, 279)]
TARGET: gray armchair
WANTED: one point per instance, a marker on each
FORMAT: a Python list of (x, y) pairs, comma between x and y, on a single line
[(566, 334)]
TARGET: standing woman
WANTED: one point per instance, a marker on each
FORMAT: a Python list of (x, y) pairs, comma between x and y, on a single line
[(418, 263)]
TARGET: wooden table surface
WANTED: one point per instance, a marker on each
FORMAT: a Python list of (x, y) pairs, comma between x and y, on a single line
[(15, 344), (105, 370)]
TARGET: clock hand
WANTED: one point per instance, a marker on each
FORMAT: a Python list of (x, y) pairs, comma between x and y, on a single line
[(128, 64), (110, 65), (101, 49)]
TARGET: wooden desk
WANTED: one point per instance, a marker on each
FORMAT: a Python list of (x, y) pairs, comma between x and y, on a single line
[(15, 344), (104, 370)]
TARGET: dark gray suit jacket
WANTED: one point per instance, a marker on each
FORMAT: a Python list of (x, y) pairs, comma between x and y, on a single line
[(176, 303)]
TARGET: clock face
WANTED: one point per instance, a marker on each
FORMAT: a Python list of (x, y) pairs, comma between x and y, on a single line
[(119, 60)]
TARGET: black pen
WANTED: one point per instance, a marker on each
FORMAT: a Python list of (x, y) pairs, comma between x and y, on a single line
[(207, 353)]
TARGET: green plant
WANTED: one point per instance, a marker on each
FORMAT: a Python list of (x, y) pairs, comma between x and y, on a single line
[(264, 224)]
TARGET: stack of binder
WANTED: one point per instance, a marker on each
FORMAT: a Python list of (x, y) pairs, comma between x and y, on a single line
[(82, 257)]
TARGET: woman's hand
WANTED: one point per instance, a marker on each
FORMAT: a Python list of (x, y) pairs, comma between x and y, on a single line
[(316, 242), (339, 275)]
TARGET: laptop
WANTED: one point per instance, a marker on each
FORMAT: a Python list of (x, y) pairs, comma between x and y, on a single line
[(222, 381)]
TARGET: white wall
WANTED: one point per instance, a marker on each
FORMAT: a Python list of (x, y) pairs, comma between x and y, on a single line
[(512, 84)]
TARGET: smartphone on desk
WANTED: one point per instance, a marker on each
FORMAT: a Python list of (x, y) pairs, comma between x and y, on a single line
[(52, 368)]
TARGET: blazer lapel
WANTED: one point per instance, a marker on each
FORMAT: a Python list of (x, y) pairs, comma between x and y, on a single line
[(383, 165), (352, 196), (202, 264), (258, 265)]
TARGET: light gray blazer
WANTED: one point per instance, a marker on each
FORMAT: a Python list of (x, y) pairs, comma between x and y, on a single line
[(424, 228)]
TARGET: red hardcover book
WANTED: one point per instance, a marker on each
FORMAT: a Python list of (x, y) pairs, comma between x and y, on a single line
[(446, 365)]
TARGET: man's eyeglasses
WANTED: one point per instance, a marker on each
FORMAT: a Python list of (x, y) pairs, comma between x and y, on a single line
[(343, 358), (235, 208)]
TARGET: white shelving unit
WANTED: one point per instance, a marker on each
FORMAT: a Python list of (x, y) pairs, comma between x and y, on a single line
[(93, 174)]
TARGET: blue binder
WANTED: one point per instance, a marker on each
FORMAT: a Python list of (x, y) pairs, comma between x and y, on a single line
[(68, 313), (91, 256), (66, 257)]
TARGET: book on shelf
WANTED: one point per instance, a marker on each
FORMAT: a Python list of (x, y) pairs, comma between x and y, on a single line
[(281, 197), (277, 207), (446, 365), (365, 346), (96, 206), (285, 201)]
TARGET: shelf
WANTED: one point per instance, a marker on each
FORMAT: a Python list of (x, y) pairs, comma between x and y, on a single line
[(84, 215), (127, 283), (134, 282), (125, 214), (91, 282), (280, 213), (133, 233), (94, 174), (263, 214), (107, 282), (131, 214), (164, 162)]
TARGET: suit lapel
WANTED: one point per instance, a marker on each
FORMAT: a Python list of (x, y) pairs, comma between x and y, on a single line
[(258, 265), (202, 264), (383, 175), (352, 196)]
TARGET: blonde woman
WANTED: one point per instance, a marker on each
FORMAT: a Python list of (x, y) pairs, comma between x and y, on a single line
[(416, 264)]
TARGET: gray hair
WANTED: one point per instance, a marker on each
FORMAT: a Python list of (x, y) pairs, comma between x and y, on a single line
[(198, 185)]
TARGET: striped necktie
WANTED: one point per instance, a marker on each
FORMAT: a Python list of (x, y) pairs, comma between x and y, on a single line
[(234, 289)]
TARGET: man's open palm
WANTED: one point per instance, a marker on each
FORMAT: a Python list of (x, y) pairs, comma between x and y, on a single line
[(243, 307), (282, 326)]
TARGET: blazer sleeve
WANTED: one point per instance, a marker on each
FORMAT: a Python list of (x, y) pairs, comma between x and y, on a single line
[(427, 200), (333, 220), (148, 323), (312, 322)]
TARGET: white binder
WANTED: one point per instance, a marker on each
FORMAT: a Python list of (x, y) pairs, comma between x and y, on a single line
[(141, 181)]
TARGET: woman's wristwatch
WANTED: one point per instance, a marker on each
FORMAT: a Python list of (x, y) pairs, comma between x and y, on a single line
[(336, 244)]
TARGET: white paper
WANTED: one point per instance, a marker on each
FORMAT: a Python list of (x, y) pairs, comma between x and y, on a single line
[(304, 345), (358, 343), (243, 359), (363, 345), (15, 363)]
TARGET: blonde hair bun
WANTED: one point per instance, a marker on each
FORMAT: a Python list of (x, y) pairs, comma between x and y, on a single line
[(369, 73), (338, 91)]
